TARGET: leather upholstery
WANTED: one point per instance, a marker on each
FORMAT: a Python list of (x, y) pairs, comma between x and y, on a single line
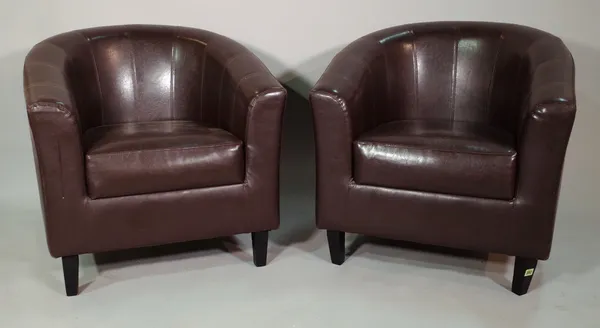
[(137, 158), (457, 158), (94, 94), (500, 89)]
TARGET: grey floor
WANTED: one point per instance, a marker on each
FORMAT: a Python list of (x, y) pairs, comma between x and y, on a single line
[(214, 284)]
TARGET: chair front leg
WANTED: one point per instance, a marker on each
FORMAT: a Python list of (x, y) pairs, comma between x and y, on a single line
[(71, 274), (523, 274)]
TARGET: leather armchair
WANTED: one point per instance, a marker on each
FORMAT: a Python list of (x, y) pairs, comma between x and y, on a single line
[(148, 135), (449, 133)]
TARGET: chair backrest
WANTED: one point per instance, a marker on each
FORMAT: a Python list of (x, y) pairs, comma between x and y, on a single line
[(142, 73), (459, 71)]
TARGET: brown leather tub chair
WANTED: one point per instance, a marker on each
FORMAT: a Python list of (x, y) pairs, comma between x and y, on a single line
[(451, 134), (148, 135)]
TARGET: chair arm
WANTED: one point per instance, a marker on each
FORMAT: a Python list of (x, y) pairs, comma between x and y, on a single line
[(343, 107), (547, 120), (245, 99), (56, 137)]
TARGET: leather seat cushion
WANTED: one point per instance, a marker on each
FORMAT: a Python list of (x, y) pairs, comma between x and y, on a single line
[(456, 158), (138, 158)]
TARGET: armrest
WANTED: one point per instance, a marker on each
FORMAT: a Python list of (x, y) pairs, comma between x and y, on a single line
[(351, 83), (247, 101), (548, 118), (343, 107), (56, 135), (45, 80)]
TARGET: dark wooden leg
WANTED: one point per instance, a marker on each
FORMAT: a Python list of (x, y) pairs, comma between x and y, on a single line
[(524, 270), (337, 246), (71, 274), (260, 240)]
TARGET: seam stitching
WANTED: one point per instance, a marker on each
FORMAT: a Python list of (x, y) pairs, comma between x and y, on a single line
[(163, 149), (454, 75), (171, 96), (366, 143), (134, 69), (204, 53), (97, 80), (491, 85), (171, 122), (415, 71)]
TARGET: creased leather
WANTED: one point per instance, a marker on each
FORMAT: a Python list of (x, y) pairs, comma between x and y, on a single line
[(93, 79), (508, 77)]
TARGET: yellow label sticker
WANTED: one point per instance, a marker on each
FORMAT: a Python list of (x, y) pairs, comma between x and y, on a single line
[(529, 272)]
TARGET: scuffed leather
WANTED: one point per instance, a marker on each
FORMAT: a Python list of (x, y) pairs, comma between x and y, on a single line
[(87, 79), (509, 77), (457, 158)]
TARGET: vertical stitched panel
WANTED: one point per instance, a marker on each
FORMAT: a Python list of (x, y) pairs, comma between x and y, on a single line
[(115, 78), (402, 73), (152, 66), (435, 62), (188, 58), (476, 64)]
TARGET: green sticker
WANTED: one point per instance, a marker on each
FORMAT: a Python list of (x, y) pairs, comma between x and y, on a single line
[(529, 272)]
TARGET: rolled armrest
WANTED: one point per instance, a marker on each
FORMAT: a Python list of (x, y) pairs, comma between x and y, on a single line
[(548, 118), (242, 82), (342, 102), (352, 83), (56, 134), (244, 98), (44, 77)]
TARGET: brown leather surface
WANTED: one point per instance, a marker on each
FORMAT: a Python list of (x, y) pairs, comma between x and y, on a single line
[(85, 82), (458, 158), (509, 77), (137, 158)]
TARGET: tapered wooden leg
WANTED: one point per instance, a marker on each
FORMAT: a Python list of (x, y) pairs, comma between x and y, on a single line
[(71, 274), (524, 270), (337, 247), (260, 240)]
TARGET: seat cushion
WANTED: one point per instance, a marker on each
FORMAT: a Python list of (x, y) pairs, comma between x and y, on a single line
[(137, 158), (457, 158)]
